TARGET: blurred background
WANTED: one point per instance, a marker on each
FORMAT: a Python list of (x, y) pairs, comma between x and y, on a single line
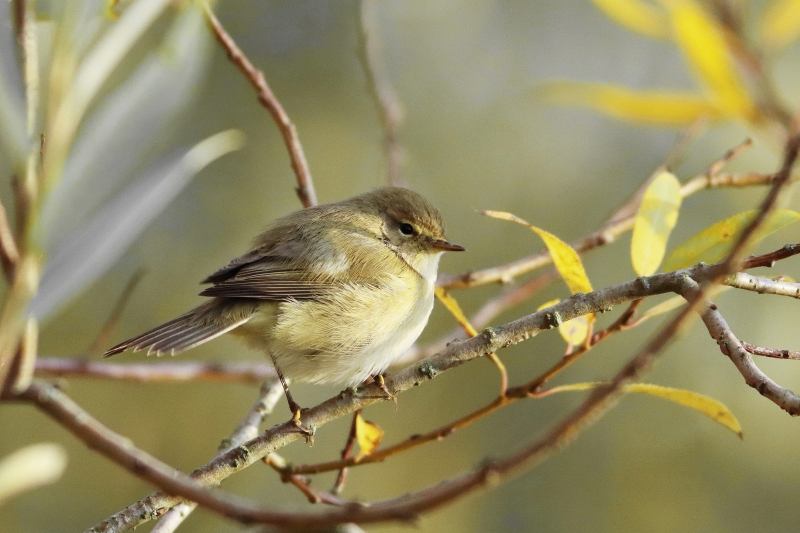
[(475, 137)]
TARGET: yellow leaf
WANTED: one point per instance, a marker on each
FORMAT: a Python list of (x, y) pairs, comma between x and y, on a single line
[(368, 436), (566, 260), (703, 43), (780, 24), (699, 402), (677, 301), (636, 16), (714, 242), (573, 331), (694, 400), (452, 305), (657, 107), (655, 219)]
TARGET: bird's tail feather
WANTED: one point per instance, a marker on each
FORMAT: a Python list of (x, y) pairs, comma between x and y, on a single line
[(191, 329)]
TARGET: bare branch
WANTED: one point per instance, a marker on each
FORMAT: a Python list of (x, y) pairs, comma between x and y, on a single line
[(245, 372), (347, 402), (305, 186), (731, 346), (271, 391), (113, 318), (388, 106), (770, 352), (760, 285), (782, 179), (616, 225)]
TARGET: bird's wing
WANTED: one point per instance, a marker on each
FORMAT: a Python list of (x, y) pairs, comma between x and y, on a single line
[(268, 278)]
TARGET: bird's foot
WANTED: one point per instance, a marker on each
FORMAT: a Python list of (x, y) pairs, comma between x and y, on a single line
[(307, 432), (381, 381)]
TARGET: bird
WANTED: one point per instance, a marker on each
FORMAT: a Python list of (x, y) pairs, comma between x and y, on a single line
[(332, 293)]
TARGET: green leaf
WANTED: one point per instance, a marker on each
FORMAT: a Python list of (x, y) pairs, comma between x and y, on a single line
[(655, 219), (714, 242)]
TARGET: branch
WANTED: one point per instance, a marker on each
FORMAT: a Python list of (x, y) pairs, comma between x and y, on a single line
[(747, 282), (248, 372), (731, 346), (347, 402), (770, 352), (305, 186), (271, 392), (383, 94), (782, 179), (617, 224)]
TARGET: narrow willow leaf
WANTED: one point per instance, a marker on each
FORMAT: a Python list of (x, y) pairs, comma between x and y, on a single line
[(146, 102), (715, 410), (655, 219), (659, 107), (710, 407), (368, 436), (452, 305), (702, 41), (107, 53), (92, 249), (31, 467), (566, 260), (637, 16), (714, 242), (780, 24)]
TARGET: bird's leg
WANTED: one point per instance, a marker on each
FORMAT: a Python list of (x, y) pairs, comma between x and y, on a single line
[(294, 407), (381, 381)]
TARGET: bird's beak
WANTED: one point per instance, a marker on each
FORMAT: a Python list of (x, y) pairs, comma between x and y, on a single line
[(445, 246)]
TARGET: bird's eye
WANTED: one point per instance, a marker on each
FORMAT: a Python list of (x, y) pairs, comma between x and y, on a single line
[(406, 229)]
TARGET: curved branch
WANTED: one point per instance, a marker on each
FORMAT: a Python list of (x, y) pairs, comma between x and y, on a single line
[(305, 186)]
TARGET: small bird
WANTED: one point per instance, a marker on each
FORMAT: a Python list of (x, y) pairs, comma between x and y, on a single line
[(332, 294)]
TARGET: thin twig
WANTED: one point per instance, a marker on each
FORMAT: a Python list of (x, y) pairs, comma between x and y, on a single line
[(782, 179), (770, 352), (491, 309), (768, 260), (271, 391), (760, 285), (347, 451), (305, 185), (113, 318), (454, 355), (620, 222), (245, 372), (280, 465), (386, 102)]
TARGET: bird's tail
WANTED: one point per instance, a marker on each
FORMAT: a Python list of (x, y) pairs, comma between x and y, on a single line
[(191, 329)]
